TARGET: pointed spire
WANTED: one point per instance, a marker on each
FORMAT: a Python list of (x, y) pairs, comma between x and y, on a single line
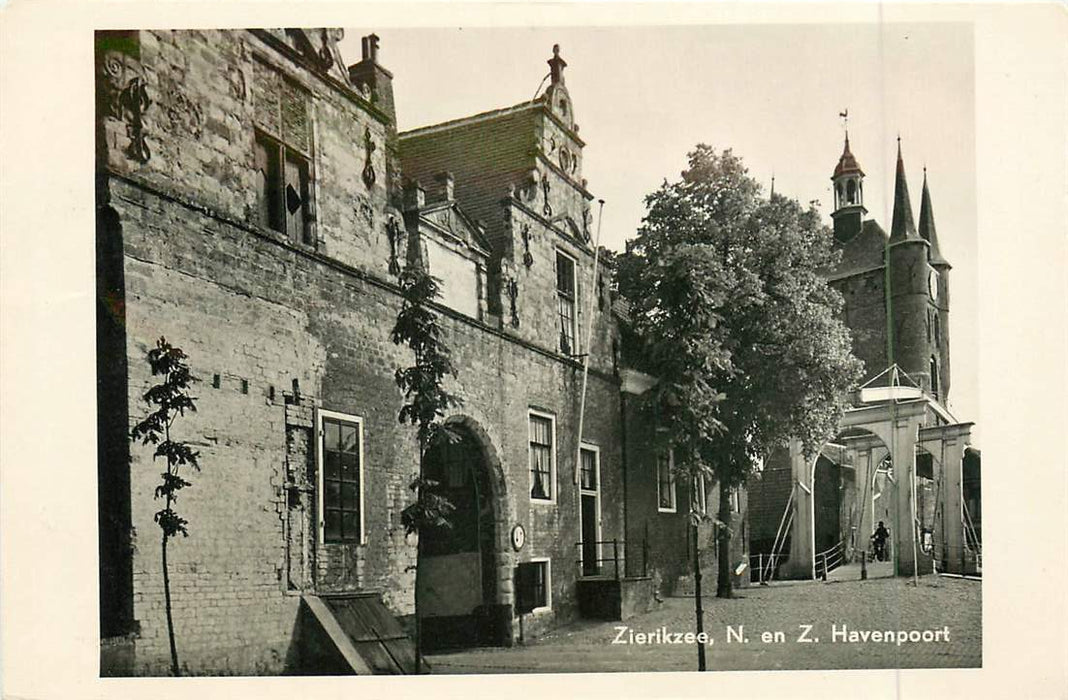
[(772, 185), (902, 227), (927, 224), (847, 164)]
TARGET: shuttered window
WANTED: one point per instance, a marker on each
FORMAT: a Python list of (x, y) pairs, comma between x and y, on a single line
[(283, 152), (532, 586)]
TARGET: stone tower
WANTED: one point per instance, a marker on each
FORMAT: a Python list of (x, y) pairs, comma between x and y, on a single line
[(918, 292), (938, 291)]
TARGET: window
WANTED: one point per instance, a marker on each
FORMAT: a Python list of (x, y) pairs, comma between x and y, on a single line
[(565, 292), (700, 495), (340, 469), (542, 456), (588, 469), (665, 482), (533, 586), (283, 151), (736, 501)]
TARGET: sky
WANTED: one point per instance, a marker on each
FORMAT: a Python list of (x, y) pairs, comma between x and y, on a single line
[(645, 96)]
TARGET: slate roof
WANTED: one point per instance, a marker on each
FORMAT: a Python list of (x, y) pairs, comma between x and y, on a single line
[(902, 227), (862, 252), (847, 164), (927, 225)]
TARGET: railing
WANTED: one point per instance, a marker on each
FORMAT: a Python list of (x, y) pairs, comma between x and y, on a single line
[(614, 554), (830, 559), (765, 567)]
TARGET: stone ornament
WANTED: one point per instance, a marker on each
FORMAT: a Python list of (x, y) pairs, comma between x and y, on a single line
[(393, 231), (524, 232), (185, 113), (369, 147), (126, 98), (513, 293)]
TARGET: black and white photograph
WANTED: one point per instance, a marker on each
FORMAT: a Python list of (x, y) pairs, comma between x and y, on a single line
[(432, 348)]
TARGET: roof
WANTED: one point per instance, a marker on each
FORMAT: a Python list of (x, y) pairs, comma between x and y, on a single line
[(450, 220), (864, 251), (847, 164), (927, 224), (902, 228)]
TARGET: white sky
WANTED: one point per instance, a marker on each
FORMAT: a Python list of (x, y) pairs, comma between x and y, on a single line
[(645, 96)]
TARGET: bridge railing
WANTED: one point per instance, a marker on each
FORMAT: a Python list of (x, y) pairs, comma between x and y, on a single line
[(830, 559)]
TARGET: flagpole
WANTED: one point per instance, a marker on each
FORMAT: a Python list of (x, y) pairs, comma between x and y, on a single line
[(589, 340)]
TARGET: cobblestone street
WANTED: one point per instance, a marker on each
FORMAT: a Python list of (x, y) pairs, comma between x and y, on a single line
[(886, 604)]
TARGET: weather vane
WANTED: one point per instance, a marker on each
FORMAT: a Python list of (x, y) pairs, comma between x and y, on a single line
[(845, 119)]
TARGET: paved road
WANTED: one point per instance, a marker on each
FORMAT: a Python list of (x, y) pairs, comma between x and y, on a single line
[(935, 606)]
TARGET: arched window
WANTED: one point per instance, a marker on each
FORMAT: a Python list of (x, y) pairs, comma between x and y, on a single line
[(934, 376), (851, 192)]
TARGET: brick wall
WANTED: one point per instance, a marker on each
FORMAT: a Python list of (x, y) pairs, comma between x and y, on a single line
[(289, 328), (668, 534)]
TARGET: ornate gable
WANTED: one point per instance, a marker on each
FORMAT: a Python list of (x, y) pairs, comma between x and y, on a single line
[(319, 47)]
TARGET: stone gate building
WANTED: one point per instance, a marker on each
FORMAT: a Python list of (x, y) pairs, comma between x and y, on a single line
[(900, 457)]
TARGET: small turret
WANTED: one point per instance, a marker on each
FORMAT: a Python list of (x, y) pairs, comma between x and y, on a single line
[(849, 211)]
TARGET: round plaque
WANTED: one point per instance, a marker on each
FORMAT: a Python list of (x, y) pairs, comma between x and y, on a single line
[(519, 537)]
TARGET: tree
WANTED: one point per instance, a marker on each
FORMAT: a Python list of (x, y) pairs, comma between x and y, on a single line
[(171, 399), (427, 402), (734, 317)]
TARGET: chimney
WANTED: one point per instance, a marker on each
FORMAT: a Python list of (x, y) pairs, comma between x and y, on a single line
[(376, 79), (414, 196), (445, 185)]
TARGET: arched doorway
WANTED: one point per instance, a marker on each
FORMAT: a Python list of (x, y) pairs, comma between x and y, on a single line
[(458, 596), (827, 495), (852, 489)]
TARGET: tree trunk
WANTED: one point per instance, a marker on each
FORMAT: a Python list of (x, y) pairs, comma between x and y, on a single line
[(175, 669), (418, 641), (723, 535), (699, 613)]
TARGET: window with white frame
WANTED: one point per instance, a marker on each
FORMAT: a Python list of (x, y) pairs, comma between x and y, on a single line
[(665, 483), (533, 586), (699, 496), (589, 468), (542, 456), (566, 293), (340, 471), (736, 501)]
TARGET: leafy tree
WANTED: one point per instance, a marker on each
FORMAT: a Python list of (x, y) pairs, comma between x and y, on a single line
[(733, 316), (427, 402), (171, 399)]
